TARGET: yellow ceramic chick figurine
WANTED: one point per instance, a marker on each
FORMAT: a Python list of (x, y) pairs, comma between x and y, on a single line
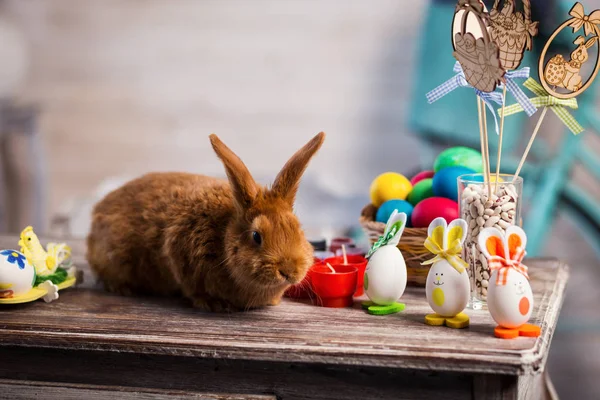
[(46, 261)]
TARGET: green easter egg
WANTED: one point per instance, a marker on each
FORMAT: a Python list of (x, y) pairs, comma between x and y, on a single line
[(459, 157), (422, 190)]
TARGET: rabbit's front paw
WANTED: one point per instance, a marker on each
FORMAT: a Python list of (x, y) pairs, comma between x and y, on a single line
[(214, 305)]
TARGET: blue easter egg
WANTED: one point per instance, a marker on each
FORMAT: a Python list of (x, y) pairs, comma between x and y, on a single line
[(387, 208), (445, 183)]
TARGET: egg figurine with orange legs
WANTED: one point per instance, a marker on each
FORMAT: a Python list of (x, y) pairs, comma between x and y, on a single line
[(510, 299), (447, 286)]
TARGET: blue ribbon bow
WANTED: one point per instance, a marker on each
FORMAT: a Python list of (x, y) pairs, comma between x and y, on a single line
[(459, 80), (516, 91)]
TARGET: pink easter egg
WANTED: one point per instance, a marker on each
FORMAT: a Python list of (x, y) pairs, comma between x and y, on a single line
[(429, 209), (420, 176)]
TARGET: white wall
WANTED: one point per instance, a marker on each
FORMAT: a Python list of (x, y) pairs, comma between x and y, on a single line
[(142, 84)]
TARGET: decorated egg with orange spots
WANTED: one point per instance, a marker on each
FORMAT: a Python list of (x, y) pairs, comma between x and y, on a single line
[(509, 300), (510, 304)]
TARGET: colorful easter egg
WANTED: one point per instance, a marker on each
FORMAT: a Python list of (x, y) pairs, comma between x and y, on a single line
[(445, 182), (17, 276), (387, 208), (446, 289), (420, 176), (431, 208), (459, 156), (511, 304), (421, 191), (389, 186)]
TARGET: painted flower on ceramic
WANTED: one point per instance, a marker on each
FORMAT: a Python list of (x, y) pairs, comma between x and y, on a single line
[(14, 257)]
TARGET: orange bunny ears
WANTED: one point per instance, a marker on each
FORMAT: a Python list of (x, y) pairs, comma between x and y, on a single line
[(495, 243)]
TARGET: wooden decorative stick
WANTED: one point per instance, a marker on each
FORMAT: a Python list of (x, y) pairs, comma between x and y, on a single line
[(487, 150), (533, 135), (481, 141), (500, 139), (344, 255)]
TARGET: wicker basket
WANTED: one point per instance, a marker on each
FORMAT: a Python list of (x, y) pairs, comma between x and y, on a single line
[(411, 245)]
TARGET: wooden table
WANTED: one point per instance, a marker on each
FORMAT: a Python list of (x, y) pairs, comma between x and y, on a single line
[(93, 345)]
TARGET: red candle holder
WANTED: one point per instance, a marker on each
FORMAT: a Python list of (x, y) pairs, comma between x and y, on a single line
[(352, 251), (336, 243), (303, 290), (334, 289), (357, 261)]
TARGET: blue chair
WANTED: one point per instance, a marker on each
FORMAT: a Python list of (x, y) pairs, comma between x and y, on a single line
[(452, 121)]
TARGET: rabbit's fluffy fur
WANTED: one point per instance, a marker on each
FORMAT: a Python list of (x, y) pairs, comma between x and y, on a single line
[(179, 233)]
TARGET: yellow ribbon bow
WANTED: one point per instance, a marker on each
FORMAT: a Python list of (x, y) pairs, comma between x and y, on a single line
[(544, 99), (581, 19), (452, 254)]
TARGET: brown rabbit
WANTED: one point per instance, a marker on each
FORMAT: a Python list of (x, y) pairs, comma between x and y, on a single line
[(224, 245)]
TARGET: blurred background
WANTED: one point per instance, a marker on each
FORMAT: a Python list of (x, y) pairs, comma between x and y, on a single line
[(95, 93)]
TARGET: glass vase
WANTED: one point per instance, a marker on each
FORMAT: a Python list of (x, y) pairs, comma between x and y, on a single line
[(485, 205)]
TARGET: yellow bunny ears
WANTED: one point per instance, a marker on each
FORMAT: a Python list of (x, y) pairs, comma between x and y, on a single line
[(445, 242)]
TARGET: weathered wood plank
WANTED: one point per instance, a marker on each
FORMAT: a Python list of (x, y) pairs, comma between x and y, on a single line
[(89, 319), (283, 380), (49, 391)]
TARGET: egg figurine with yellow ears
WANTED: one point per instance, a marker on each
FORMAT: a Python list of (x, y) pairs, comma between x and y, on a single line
[(447, 286)]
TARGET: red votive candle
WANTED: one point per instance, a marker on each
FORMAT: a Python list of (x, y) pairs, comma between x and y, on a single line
[(336, 243), (357, 261), (334, 289), (303, 290)]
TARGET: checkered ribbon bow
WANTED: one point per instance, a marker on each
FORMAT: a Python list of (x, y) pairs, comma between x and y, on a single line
[(452, 254), (544, 99), (503, 265), (459, 80), (383, 240), (516, 91)]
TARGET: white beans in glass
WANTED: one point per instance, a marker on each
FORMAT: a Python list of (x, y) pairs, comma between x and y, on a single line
[(501, 210)]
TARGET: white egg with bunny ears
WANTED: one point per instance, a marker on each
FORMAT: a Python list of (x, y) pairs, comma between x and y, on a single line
[(447, 286), (385, 275), (510, 298)]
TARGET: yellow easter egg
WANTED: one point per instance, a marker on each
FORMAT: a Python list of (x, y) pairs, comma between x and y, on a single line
[(493, 178), (389, 186)]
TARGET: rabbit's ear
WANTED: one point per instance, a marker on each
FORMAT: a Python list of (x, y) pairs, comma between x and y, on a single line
[(397, 220), (491, 242), (515, 239), (591, 42), (579, 40), (437, 230), (287, 181), (243, 186), (390, 222), (457, 230)]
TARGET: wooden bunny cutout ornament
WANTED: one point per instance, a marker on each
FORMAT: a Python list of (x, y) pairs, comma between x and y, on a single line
[(558, 73), (447, 286), (510, 299), (385, 275)]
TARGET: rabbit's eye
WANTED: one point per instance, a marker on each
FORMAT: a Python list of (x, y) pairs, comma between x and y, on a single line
[(256, 237)]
